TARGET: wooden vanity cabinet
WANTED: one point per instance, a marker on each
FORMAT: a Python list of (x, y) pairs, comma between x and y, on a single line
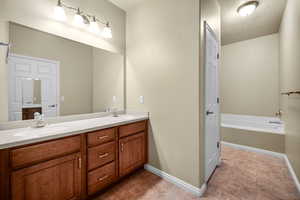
[(28, 113), (55, 179), (102, 155), (114, 153), (131, 153), (72, 168)]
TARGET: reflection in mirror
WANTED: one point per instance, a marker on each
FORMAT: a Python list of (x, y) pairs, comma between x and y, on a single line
[(31, 92), (31, 98), (57, 77)]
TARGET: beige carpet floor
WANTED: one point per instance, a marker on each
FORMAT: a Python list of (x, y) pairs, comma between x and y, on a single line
[(242, 176)]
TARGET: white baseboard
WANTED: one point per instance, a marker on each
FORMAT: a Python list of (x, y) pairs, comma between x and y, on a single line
[(253, 149), (292, 172), (271, 153), (180, 183)]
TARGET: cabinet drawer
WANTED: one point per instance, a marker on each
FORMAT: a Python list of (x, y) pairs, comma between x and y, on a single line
[(40, 152), (101, 177), (101, 155), (100, 137), (132, 128)]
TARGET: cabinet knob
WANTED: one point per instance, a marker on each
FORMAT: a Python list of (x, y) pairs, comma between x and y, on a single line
[(122, 147)]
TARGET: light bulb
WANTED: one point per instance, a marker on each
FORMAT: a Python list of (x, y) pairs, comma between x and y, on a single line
[(59, 12), (94, 28), (78, 19), (248, 8), (107, 33)]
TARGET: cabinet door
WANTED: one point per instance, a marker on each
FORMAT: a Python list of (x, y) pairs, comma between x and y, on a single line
[(58, 179), (131, 153)]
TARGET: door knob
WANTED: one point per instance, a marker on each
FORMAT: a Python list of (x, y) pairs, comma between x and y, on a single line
[(209, 112)]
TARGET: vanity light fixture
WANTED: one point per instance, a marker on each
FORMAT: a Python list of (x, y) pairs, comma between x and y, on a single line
[(78, 19), (81, 19), (94, 28), (59, 12), (247, 8), (106, 33)]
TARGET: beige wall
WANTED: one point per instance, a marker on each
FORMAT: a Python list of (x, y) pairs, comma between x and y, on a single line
[(76, 64), (163, 62), (4, 32), (249, 77), (39, 15), (163, 66), (290, 71), (108, 80), (267, 141)]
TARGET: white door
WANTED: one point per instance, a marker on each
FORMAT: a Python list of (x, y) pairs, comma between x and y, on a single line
[(48, 75), (212, 127), (24, 67)]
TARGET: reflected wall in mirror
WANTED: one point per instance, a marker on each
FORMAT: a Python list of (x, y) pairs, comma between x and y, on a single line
[(31, 92), (71, 77), (31, 99)]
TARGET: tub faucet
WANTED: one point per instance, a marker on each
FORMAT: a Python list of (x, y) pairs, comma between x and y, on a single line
[(279, 113)]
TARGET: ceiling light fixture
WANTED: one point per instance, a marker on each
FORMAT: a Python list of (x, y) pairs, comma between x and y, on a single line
[(247, 8), (81, 19)]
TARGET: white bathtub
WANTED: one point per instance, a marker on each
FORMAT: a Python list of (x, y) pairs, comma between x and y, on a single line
[(253, 123)]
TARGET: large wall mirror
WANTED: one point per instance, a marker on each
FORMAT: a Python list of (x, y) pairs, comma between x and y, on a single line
[(57, 77)]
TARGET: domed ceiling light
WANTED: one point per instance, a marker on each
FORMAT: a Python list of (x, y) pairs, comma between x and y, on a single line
[(247, 8)]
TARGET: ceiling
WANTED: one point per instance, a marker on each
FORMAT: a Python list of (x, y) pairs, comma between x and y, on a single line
[(126, 4), (265, 20)]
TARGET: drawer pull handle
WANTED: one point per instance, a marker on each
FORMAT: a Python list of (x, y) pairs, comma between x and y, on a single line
[(102, 178), (102, 137), (79, 163), (103, 155), (122, 147)]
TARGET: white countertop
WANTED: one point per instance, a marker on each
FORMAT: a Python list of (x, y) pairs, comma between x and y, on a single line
[(21, 136), (32, 106)]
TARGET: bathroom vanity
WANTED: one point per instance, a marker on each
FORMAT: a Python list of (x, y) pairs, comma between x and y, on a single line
[(74, 163)]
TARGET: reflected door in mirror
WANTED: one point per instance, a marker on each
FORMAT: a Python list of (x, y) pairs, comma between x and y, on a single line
[(33, 86)]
